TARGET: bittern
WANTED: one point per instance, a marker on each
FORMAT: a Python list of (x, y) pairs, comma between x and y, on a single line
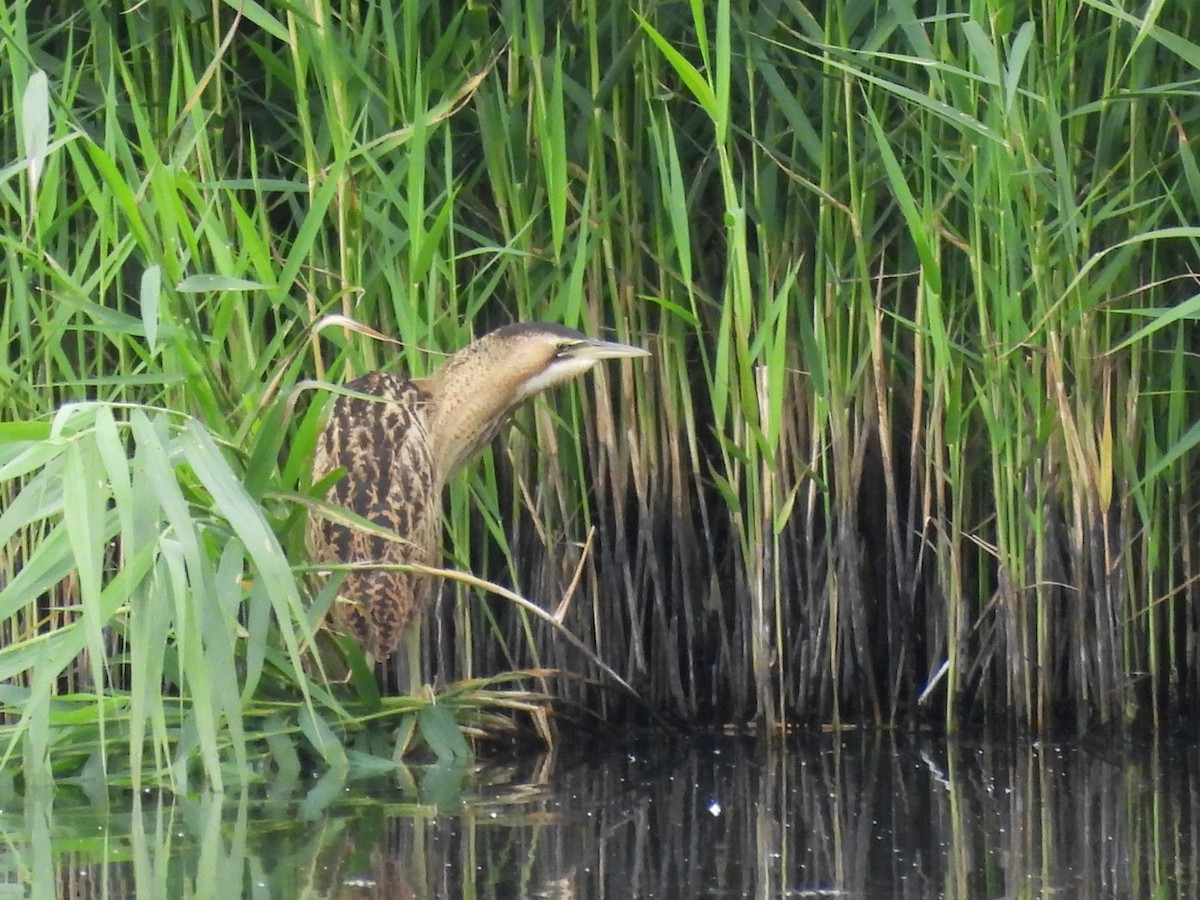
[(402, 444)]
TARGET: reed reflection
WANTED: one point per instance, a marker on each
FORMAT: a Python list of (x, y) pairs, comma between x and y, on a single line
[(849, 816), (854, 816)]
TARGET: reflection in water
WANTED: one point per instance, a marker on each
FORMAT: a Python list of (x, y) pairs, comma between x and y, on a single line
[(852, 816)]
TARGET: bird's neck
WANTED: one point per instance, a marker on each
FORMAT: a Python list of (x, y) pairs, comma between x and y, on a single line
[(468, 405)]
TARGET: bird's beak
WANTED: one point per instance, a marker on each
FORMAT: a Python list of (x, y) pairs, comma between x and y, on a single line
[(594, 349)]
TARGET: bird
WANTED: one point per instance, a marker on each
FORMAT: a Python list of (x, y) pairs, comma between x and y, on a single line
[(401, 440)]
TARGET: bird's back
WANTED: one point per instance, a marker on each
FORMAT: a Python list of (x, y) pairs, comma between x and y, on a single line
[(383, 444)]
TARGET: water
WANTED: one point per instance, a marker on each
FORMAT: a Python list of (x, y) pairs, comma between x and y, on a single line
[(855, 815)]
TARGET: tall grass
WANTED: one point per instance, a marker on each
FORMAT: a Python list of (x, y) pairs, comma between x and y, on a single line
[(916, 442)]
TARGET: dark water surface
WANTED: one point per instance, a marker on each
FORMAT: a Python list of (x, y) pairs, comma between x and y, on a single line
[(855, 815)]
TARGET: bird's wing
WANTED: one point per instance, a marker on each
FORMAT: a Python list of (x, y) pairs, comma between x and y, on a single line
[(383, 444)]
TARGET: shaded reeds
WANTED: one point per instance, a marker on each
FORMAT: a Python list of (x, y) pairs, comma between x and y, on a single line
[(918, 435)]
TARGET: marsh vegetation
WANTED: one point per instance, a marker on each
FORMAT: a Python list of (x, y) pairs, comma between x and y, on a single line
[(918, 441)]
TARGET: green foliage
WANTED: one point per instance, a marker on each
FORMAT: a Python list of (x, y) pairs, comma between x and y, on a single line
[(916, 440)]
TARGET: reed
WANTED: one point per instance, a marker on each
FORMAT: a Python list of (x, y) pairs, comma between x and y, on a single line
[(917, 439)]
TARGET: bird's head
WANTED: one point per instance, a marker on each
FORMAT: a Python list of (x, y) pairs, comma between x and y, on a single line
[(477, 388), (543, 355)]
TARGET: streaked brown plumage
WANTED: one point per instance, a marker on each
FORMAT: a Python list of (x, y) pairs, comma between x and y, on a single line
[(401, 447)]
